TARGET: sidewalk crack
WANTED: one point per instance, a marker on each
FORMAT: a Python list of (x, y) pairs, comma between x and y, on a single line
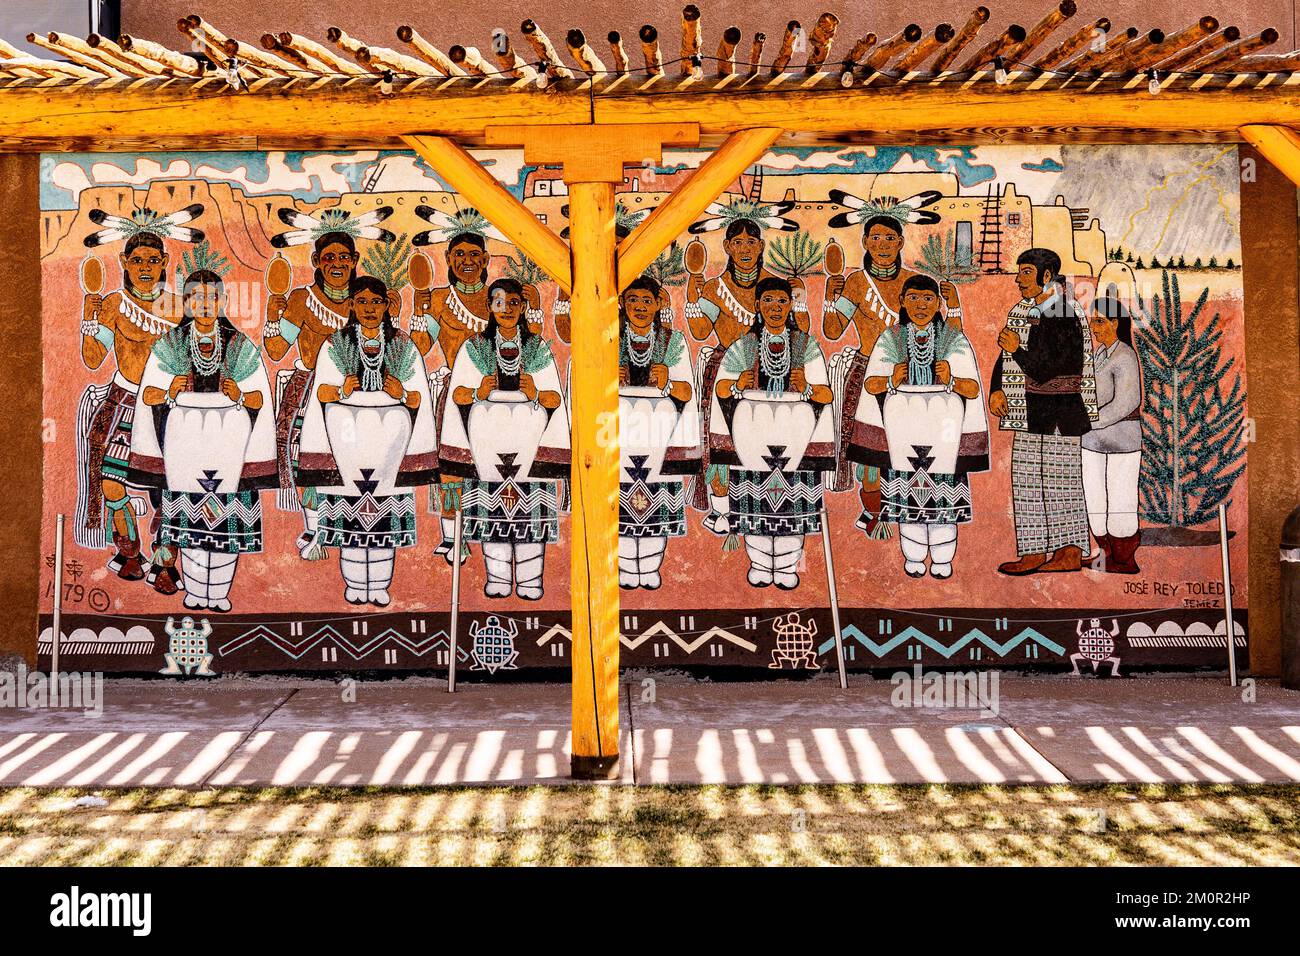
[(248, 736), (631, 732)]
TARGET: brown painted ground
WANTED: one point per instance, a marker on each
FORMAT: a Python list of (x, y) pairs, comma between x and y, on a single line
[(1180, 825)]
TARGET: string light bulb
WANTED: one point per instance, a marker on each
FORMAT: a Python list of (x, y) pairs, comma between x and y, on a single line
[(232, 73), (1000, 71), (386, 83), (543, 78), (1153, 86), (697, 67), (846, 78)]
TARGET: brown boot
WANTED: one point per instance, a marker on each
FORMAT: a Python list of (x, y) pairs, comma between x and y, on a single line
[(1069, 558), (1027, 564), (1123, 554), (164, 578), (126, 564), (1101, 559)]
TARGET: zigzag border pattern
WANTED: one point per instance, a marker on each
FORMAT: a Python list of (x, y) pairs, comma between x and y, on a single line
[(910, 633), (358, 649)]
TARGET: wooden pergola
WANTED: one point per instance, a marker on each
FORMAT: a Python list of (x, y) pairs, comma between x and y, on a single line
[(594, 113)]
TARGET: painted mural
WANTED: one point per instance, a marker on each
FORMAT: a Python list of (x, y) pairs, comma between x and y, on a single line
[(990, 398)]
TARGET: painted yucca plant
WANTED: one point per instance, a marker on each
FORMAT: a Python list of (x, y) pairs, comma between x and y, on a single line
[(203, 256), (795, 255), (387, 261), (939, 258)]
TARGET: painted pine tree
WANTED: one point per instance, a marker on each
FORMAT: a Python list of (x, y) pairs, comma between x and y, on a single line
[(387, 261), (524, 270), (795, 256), (942, 259), (1193, 448)]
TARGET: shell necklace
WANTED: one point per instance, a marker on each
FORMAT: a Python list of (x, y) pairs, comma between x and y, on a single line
[(462, 312), (776, 364), (205, 364), (142, 318), (324, 314), (509, 365), (372, 377), (640, 357)]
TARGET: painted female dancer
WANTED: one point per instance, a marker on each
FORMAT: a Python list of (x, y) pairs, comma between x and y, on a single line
[(368, 441)]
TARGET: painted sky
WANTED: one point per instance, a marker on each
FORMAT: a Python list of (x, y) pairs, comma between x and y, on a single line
[(1175, 199)]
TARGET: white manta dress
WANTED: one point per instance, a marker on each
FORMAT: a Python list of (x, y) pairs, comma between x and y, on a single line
[(509, 451), (925, 438), (367, 453), (777, 444), (659, 441), (209, 456)]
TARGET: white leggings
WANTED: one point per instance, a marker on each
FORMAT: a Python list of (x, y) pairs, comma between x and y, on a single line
[(1110, 486), (939, 541), (639, 560), (208, 576)]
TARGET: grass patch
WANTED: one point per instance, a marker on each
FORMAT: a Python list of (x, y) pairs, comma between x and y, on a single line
[(1176, 824)]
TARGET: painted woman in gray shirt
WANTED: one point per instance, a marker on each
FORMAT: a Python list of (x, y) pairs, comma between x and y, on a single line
[(1112, 450)]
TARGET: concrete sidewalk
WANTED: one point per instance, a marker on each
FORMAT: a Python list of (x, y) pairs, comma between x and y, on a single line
[(288, 732)]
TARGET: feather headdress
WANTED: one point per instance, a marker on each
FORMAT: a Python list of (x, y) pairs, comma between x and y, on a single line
[(170, 226), (309, 228), (452, 226), (720, 215), (910, 210)]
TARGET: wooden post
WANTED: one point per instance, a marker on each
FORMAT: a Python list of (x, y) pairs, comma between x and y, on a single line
[(594, 476), (593, 159)]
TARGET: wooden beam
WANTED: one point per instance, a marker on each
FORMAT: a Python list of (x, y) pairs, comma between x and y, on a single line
[(466, 175), (671, 217), (1279, 145), (356, 113), (594, 475), (591, 154)]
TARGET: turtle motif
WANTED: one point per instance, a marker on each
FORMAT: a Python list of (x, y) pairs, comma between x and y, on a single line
[(187, 648), (494, 645), (794, 643), (1096, 646)]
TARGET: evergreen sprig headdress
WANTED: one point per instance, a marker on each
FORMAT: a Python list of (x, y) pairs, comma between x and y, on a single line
[(720, 215), (145, 220), (308, 228), (910, 210), (451, 226)]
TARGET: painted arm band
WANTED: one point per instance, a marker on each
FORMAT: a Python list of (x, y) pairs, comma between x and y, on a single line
[(101, 334), (424, 322), (708, 308), (286, 329)]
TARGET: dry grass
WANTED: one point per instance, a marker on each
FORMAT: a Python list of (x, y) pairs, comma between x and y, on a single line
[(578, 826)]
